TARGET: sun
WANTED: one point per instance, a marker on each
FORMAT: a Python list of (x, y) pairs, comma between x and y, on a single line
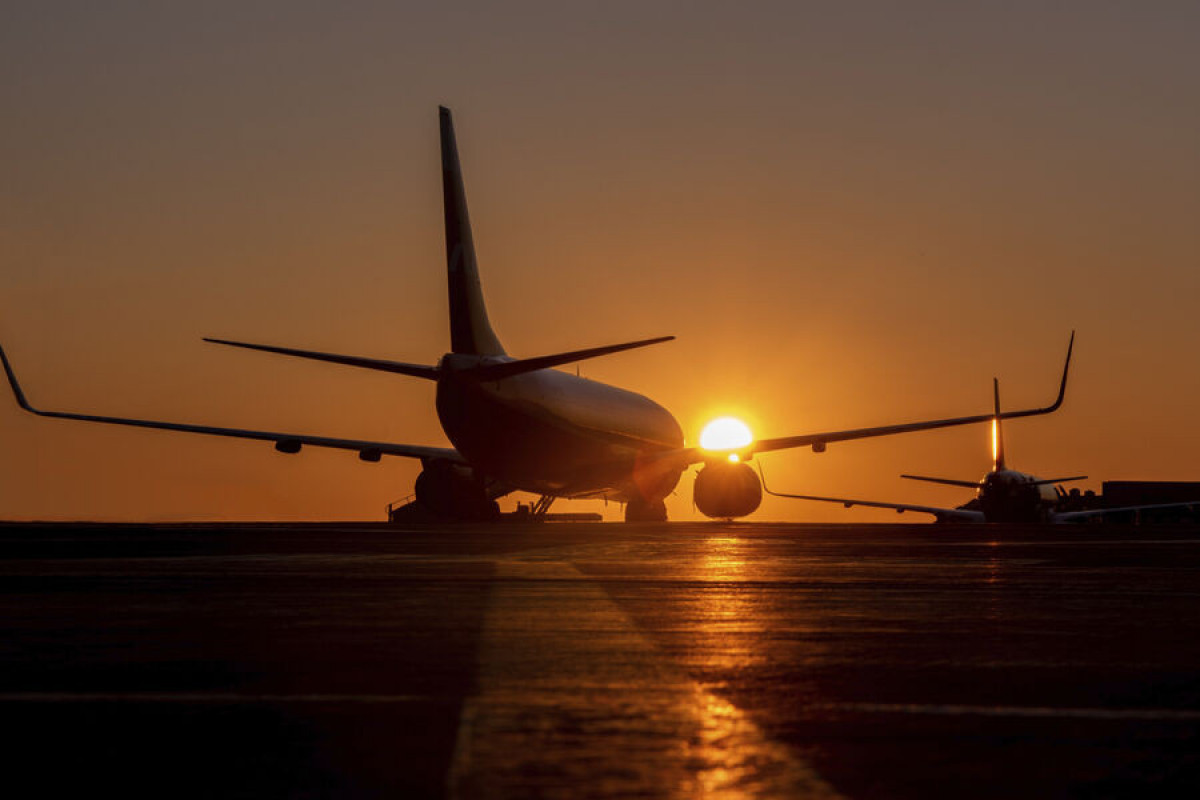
[(725, 433)]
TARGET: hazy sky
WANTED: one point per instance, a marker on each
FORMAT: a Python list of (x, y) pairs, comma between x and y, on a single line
[(849, 213)]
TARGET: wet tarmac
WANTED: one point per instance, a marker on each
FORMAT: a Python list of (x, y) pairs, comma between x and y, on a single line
[(600, 660)]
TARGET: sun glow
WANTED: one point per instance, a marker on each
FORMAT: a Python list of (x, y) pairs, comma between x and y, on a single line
[(725, 433)]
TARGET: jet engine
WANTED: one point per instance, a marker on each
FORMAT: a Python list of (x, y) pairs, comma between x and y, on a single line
[(726, 490), (451, 490)]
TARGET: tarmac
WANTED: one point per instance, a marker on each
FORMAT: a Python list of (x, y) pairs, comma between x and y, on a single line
[(600, 660)]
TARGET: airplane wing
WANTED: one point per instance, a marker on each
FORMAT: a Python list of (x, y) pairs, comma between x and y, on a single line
[(818, 441), (1079, 516), (942, 514), (284, 442)]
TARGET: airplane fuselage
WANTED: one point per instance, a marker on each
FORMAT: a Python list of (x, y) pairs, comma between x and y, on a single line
[(1010, 496), (549, 432)]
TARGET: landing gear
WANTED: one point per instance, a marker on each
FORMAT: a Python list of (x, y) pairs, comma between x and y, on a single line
[(453, 492), (535, 511), (646, 511)]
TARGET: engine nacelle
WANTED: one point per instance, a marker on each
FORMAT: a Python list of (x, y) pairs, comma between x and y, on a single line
[(451, 490), (725, 491)]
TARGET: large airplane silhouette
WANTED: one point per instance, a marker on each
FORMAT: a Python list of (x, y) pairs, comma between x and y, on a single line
[(520, 425), (1002, 495)]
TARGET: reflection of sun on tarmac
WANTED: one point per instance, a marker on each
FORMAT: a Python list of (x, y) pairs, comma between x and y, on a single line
[(573, 698), (723, 557), (723, 765), (731, 755), (726, 609)]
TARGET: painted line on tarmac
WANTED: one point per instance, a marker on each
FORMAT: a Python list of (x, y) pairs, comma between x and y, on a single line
[(1152, 714), (223, 698), (573, 700)]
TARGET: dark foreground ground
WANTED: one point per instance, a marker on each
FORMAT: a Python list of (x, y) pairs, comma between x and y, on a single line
[(599, 660)]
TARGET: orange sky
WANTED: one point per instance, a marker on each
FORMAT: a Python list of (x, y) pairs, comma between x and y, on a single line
[(849, 216)]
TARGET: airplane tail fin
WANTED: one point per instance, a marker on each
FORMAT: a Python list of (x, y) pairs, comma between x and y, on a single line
[(470, 330), (997, 434)]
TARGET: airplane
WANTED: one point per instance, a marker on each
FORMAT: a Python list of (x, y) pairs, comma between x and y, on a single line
[(1002, 495), (518, 424)]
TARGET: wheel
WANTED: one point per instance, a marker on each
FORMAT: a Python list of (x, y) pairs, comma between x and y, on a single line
[(646, 511)]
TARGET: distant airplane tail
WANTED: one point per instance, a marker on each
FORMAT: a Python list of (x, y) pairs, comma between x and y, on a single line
[(470, 330), (998, 463), (997, 443), (997, 433)]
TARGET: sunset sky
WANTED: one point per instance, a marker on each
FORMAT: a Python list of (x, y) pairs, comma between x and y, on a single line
[(849, 214)]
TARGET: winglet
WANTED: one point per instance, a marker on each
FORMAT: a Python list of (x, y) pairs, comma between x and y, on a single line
[(16, 387), (1062, 388)]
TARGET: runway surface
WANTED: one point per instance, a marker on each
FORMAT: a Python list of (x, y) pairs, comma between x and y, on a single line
[(599, 660)]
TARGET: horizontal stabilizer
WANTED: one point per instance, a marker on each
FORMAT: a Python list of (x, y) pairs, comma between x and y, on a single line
[(495, 372), (946, 481), (1046, 481), (398, 367)]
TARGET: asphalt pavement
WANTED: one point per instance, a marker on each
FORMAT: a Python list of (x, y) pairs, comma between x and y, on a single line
[(600, 660)]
